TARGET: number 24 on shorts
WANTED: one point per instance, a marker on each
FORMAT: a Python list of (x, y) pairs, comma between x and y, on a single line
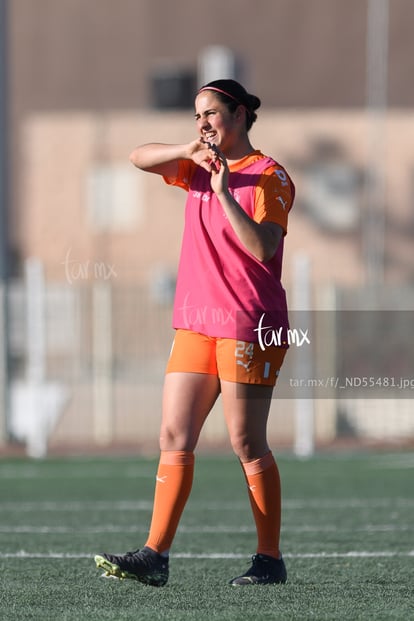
[(244, 353)]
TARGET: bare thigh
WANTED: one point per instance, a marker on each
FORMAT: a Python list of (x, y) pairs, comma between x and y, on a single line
[(246, 410), (187, 401)]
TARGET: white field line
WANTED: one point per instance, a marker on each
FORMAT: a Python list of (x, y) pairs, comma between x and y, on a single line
[(219, 529), (394, 462), (103, 471), (22, 554), (99, 472), (146, 505)]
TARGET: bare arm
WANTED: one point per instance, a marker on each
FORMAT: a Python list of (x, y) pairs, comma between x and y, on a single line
[(158, 158), (163, 159), (261, 239)]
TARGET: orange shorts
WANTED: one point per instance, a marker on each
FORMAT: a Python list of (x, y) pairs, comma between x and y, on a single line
[(229, 359)]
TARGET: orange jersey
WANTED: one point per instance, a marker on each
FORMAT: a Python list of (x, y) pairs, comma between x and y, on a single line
[(274, 193)]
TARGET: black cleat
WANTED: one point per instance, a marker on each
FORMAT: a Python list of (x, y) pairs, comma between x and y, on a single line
[(145, 565), (264, 570)]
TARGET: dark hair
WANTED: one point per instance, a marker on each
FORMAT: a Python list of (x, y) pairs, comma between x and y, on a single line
[(233, 95)]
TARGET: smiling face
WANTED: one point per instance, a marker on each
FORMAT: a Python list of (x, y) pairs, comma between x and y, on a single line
[(216, 124)]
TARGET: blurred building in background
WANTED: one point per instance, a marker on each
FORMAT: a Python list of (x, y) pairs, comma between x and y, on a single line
[(93, 243)]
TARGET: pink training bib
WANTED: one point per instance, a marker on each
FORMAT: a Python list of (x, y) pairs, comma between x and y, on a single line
[(222, 289)]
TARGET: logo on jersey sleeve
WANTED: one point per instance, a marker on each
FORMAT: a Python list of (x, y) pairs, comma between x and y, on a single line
[(282, 202)]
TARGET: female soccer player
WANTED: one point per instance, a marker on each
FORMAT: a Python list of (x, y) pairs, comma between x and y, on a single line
[(228, 282)]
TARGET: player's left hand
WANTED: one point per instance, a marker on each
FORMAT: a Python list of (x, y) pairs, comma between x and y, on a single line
[(219, 171)]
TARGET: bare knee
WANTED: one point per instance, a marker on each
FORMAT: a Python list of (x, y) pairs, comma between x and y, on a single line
[(247, 448), (176, 439), (187, 401), (246, 409)]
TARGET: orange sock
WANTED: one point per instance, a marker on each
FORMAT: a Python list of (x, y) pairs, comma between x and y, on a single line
[(263, 481), (172, 489)]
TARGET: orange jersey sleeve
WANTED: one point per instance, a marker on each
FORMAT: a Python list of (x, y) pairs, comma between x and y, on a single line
[(186, 170), (274, 197), (274, 192)]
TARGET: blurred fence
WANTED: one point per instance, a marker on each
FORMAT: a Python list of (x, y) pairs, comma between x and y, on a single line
[(86, 365)]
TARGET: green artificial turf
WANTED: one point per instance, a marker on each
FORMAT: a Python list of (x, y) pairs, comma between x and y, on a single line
[(347, 540)]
